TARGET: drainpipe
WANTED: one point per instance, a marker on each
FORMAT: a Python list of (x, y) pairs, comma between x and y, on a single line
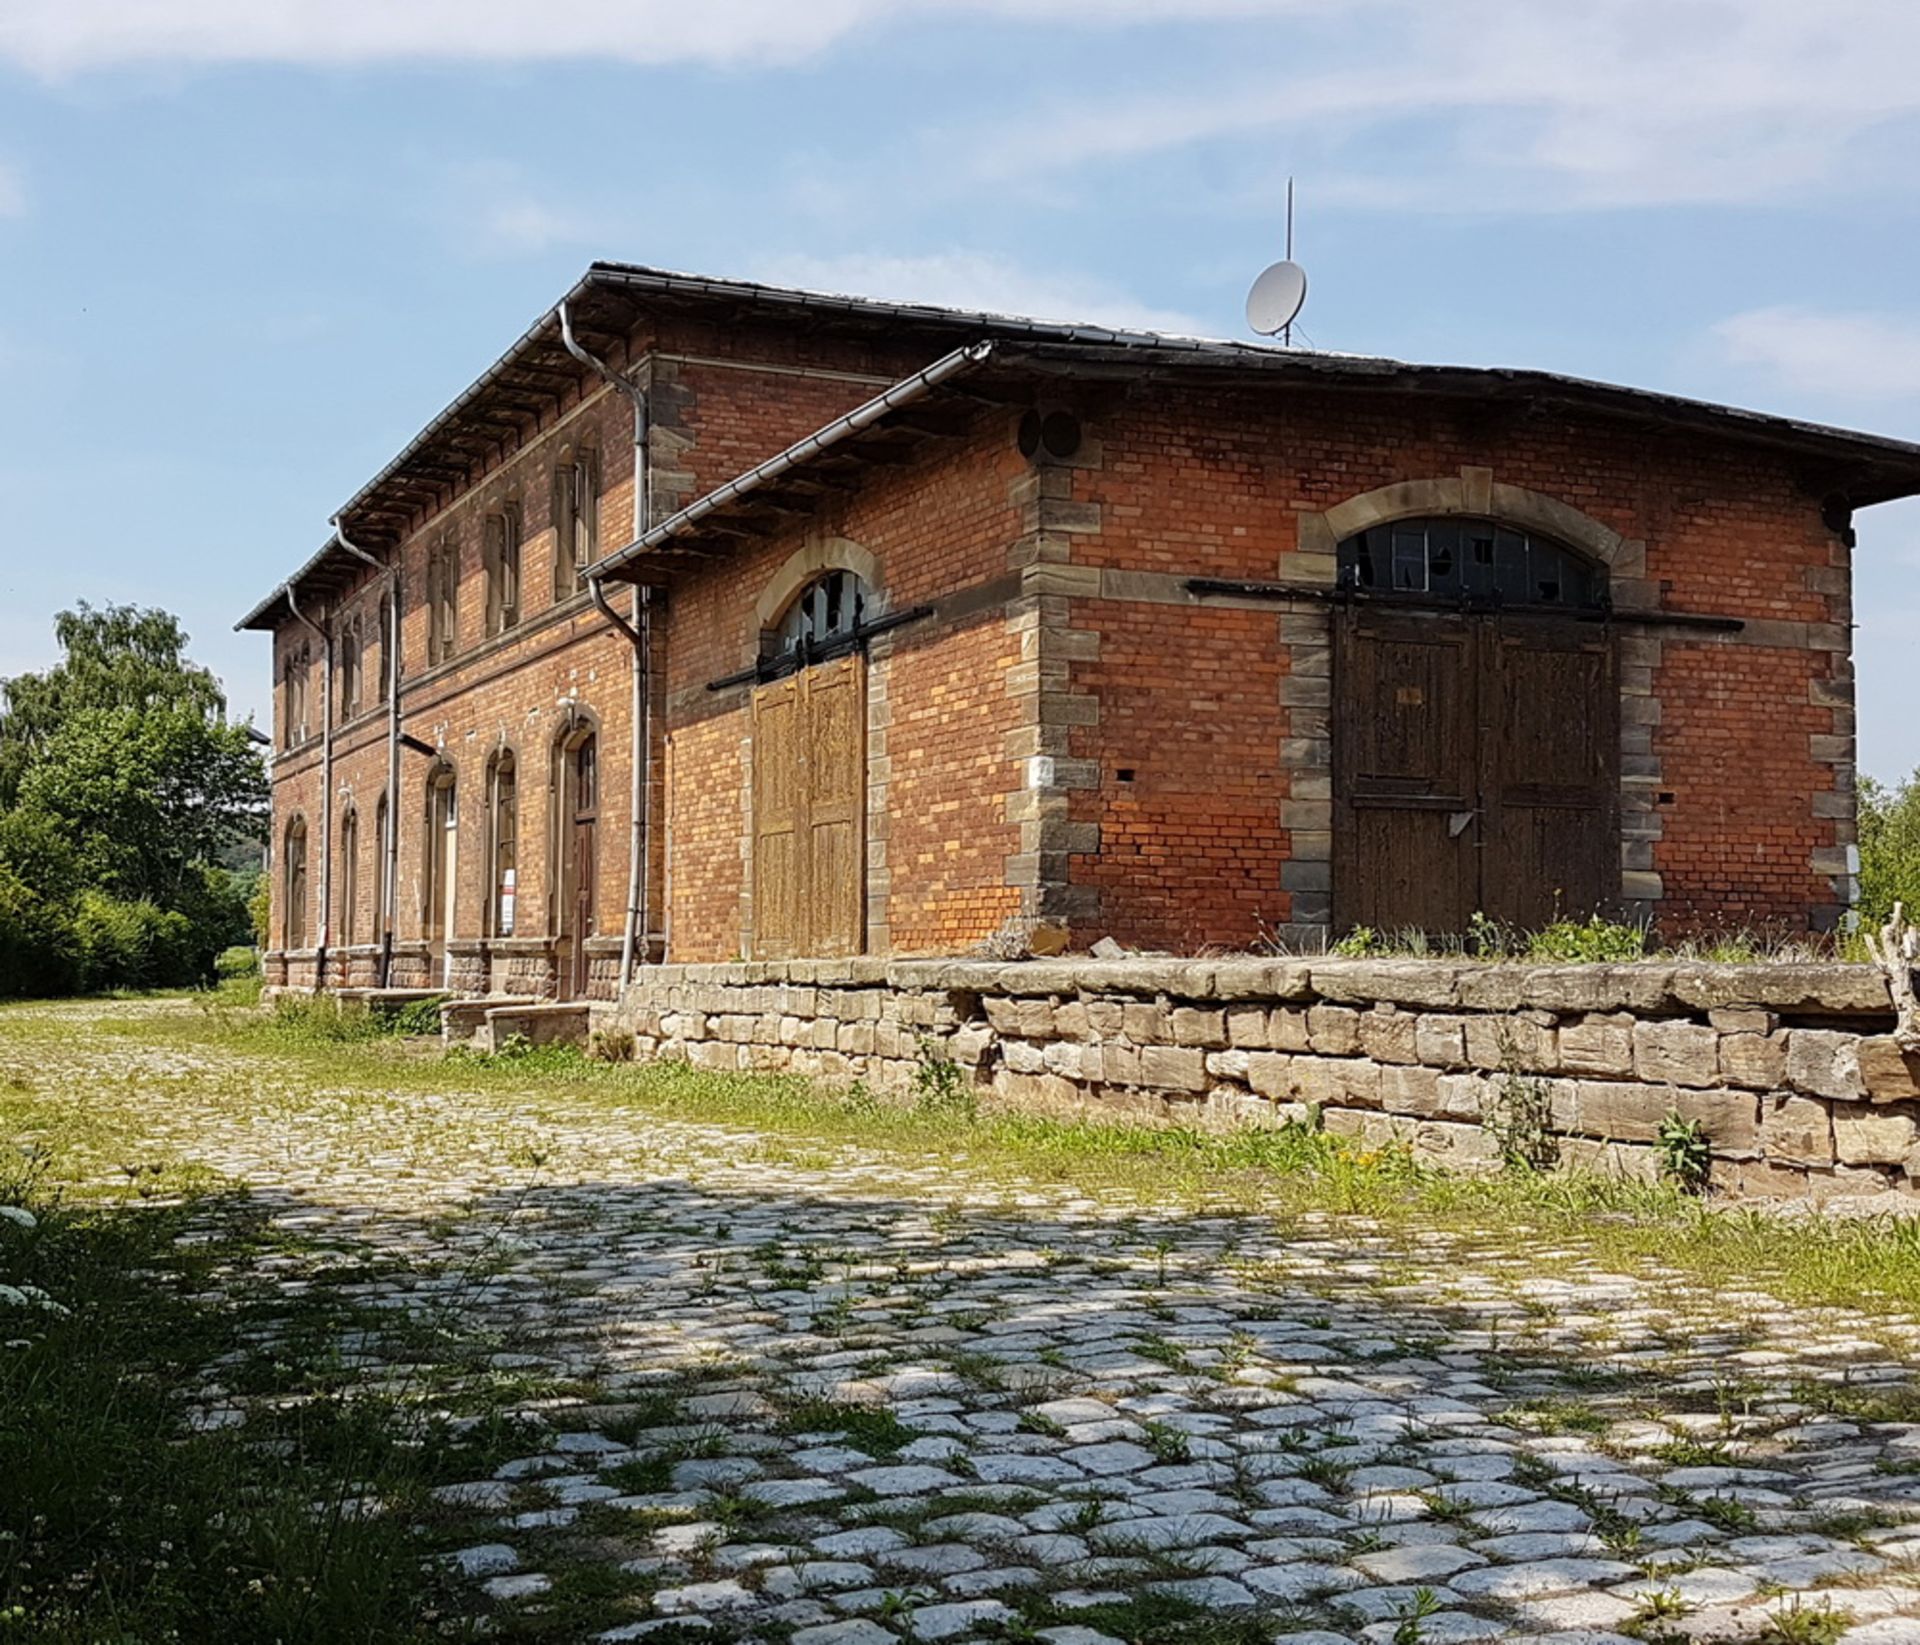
[(639, 635), (390, 844), (326, 789)]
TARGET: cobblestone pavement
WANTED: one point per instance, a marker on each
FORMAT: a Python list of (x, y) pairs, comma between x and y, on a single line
[(853, 1401)]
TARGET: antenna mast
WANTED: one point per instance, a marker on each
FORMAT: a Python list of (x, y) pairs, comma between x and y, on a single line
[(1286, 332)]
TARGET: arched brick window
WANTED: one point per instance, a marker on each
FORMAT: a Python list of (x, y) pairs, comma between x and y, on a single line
[(1469, 561)]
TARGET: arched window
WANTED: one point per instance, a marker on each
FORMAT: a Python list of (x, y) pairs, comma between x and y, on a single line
[(380, 868), (293, 886), (824, 618), (442, 819), (350, 877), (1469, 561), (503, 828)]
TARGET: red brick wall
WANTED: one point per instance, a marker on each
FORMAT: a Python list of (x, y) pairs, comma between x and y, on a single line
[(508, 690), (939, 525), (1201, 485)]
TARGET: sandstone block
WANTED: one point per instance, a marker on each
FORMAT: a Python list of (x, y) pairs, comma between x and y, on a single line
[(1887, 1073), (1464, 1096), (1598, 1045), (1388, 1035), (1742, 1020), (1511, 1042), (1678, 1053), (1410, 1090), (1270, 1074), (1333, 1030), (1797, 1131), (1441, 1040), (1070, 1020), (1287, 1029), (1146, 1024), (1106, 1019), (1456, 1147), (1757, 1061), (1020, 1057), (1173, 1068), (1193, 1026), (1823, 1063), (1247, 1027), (1866, 1135), (1229, 1065), (1336, 1082)]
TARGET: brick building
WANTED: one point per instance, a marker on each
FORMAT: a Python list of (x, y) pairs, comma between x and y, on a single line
[(736, 621)]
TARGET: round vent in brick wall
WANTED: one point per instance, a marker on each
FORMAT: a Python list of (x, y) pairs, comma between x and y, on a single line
[(1057, 433)]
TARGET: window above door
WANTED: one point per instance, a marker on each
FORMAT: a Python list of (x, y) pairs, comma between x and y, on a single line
[(1458, 560)]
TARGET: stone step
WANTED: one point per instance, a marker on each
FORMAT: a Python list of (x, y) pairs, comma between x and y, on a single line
[(566, 1023), (461, 1020)]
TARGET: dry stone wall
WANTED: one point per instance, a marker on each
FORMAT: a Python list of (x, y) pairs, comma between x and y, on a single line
[(1789, 1071)]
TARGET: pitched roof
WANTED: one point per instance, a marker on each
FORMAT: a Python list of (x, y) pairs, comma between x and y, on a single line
[(536, 375)]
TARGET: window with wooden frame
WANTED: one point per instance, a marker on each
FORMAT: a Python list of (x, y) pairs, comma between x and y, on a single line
[(299, 661), (504, 832), (500, 554), (349, 668), (349, 877), (443, 595), (576, 516)]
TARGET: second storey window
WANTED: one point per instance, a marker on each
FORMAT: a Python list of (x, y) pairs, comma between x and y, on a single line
[(500, 550), (443, 593), (296, 697), (349, 668), (576, 517)]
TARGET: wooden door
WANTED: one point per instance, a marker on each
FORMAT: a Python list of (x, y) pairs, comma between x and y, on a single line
[(809, 813), (582, 860), (1475, 770), (442, 867), (1550, 736), (1404, 784)]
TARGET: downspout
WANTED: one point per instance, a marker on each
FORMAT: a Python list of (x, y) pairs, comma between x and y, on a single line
[(639, 635), (390, 845), (326, 789)]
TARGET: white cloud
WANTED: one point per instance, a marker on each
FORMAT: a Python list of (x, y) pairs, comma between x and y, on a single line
[(1513, 103), (56, 37), (977, 280), (1853, 356)]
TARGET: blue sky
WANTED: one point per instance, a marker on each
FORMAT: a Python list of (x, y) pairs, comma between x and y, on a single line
[(247, 248)]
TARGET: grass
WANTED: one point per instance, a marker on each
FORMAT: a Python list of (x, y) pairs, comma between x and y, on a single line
[(251, 1531), (1867, 1263), (119, 1524)]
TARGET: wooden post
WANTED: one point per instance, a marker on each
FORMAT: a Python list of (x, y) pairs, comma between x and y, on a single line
[(1896, 950)]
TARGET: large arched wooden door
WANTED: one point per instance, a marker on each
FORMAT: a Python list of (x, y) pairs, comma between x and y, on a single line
[(809, 812), (1475, 731), (810, 776)]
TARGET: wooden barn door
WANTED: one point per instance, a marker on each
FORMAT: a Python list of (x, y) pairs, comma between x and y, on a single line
[(1549, 761), (1404, 783), (809, 813), (1475, 770)]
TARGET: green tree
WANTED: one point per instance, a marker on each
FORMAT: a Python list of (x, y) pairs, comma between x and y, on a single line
[(123, 792), (147, 798), (1889, 848), (117, 657)]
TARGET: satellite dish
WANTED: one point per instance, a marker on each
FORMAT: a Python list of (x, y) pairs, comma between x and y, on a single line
[(1277, 297)]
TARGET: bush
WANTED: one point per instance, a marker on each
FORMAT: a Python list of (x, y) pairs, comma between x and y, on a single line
[(133, 945), (36, 947)]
